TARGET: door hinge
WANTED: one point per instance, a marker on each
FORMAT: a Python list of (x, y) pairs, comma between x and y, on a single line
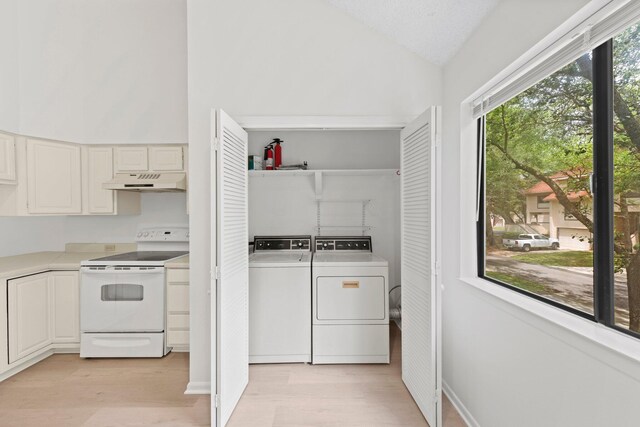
[(436, 396), (216, 143), (437, 268), (216, 273), (217, 400)]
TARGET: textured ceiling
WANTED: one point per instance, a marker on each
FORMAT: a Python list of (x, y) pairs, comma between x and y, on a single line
[(434, 29)]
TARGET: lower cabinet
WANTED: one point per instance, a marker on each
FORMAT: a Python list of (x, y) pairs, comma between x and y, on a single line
[(43, 309), (178, 309), (64, 288)]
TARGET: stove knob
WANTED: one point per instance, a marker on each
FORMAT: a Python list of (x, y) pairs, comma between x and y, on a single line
[(356, 245), (349, 245), (325, 245), (145, 234), (268, 245), (140, 234), (300, 244)]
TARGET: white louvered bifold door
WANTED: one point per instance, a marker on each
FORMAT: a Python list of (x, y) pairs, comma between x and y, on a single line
[(420, 296), (232, 260)]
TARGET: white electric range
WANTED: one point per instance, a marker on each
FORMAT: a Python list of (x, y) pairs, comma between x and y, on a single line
[(123, 297)]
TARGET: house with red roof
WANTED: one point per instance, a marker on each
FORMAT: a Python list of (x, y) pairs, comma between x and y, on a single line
[(544, 211)]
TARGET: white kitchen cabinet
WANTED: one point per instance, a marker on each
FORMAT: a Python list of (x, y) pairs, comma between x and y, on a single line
[(178, 309), (166, 158), (132, 159), (98, 168), (7, 159), (28, 315), (54, 177), (64, 288)]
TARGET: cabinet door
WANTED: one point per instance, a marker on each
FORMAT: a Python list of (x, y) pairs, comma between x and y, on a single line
[(99, 171), (132, 159), (29, 315), (54, 178), (65, 306), (178, 309), (166, 158), (7, 158)]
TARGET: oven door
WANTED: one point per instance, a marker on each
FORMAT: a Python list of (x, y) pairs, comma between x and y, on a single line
[(122, 299)]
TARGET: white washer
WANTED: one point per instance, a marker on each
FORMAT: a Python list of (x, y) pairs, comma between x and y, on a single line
[(280, 300), (350, 302)]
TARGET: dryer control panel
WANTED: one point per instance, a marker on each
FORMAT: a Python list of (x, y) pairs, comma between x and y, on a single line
[(341, 244), (282, 243)]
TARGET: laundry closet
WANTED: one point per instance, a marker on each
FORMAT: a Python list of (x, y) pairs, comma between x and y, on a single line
[(352, 196)]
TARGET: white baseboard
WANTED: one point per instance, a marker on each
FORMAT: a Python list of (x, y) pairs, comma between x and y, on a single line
[(462, 410), (198, 388), (30, 361)]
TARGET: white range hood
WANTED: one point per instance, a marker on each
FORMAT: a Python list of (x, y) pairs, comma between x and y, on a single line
[(148, 181)]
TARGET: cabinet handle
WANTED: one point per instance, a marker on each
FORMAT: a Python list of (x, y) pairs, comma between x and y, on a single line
[(351, 285)]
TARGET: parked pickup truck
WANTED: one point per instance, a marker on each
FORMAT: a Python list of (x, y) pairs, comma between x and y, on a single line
[(526, 242)]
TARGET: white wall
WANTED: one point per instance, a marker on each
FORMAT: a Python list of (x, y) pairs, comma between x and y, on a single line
[(282, 57), (9, 81), (50, 233), (100, 71), (505, 365)]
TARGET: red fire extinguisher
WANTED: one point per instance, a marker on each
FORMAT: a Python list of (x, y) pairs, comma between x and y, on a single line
[(278, 152), (268, 157)]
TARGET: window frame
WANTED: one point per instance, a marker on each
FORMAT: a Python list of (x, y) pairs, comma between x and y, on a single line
[(603, 199)]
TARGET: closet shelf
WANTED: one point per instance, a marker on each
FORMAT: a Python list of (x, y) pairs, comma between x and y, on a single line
[(320, 174), (325, 172)]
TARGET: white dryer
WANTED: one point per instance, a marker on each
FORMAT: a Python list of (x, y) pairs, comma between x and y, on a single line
[(350, 302), (280, 300)]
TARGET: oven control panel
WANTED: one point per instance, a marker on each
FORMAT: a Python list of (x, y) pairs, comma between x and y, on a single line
[(282, 243), (343, 244), (163, 234)]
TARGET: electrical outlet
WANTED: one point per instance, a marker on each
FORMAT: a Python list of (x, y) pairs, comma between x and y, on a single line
[(109, 248)]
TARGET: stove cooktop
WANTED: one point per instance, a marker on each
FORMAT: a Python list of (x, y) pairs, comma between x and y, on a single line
[(139, 256)]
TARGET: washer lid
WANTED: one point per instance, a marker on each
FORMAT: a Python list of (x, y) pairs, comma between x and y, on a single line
[(348, 259), (280, 259)]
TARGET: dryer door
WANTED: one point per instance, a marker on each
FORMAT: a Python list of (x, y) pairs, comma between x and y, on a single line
[(350, 298)]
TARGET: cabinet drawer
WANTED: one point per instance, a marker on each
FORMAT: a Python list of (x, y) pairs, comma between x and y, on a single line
[(178, 321), (350, 298), (178, 275), (178, 298), (177, 338)]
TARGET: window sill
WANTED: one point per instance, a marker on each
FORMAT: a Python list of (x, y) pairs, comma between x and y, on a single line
[(592, 338)]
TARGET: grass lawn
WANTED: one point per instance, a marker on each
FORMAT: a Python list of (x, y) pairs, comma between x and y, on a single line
[(559, 258), (518, 282)]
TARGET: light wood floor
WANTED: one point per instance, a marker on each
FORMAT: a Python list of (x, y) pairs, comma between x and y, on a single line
[(65, 390), (299, 395)]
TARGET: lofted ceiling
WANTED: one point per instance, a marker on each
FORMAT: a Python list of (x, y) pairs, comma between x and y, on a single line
[(434, 29)]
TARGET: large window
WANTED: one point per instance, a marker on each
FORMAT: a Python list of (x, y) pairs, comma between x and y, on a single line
[(569, 147)]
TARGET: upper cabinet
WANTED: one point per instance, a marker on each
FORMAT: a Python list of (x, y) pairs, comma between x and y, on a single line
[(7, 159), (59, 178), (54, 177), (98, 168), (155, 158), (166, 158), (132, 159)]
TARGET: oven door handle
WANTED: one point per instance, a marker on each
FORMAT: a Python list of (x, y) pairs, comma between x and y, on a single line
[(120, 270)]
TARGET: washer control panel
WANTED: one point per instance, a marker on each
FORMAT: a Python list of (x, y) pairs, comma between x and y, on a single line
[(343, 244), (282, 243)]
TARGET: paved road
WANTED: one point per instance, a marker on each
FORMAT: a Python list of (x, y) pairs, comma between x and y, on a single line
[(563, 285)]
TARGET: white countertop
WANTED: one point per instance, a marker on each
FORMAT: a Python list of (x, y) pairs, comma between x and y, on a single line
[(181, 262), (69, 259)]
